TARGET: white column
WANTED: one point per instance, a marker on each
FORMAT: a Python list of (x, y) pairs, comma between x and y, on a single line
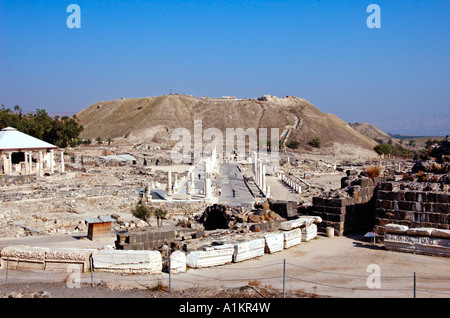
[(41, 164), (175, 182), (52, 168), (62, 162), (208, 191), (9, 154), (267, 191), (27, 168), (192, 185), (263, 174), (169, 183), (260, 170), (5, 167)]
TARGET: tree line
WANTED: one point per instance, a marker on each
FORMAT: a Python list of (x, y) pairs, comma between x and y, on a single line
[(59, 131)]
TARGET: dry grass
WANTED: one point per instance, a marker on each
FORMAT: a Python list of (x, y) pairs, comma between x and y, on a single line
[(373, 171)]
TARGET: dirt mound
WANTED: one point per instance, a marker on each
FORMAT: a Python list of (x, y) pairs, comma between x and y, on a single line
[(152, 120)]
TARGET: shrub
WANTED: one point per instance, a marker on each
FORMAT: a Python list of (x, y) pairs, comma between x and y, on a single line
[(373, 171), (293, 144), (316, 142)]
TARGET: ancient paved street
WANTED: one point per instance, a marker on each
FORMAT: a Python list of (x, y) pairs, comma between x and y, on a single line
[(231, 178)]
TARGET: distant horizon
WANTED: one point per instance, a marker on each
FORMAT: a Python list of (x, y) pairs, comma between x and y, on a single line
[(392, 75)]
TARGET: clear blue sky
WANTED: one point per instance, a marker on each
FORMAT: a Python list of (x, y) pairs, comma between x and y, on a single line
[(396, 77)]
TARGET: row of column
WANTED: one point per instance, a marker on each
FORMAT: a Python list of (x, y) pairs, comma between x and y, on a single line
[(259, 175), (7, 162), (291, 183)]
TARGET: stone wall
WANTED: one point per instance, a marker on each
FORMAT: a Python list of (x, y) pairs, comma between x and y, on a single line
[(8, 180), (349, 213), (412, 208)]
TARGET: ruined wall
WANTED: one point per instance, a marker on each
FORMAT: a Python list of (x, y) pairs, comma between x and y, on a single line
[(350, 211), (373, 203), (8, 180), (411, 207)]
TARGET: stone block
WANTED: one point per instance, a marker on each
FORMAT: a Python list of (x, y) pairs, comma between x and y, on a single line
[(395, 228), (385, 186), (442, 207), (274, 242), (248, 250), (177, 262), (443, 198), (292, 238), (309, 232), (127, 261), (420, 231), (432, 197), (59, 258), (211, 256)]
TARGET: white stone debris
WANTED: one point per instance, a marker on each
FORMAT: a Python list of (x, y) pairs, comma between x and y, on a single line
[(249, 249), (211, 256), (127, 261)]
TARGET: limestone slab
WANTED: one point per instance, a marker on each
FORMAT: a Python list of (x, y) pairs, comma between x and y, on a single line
[(211, 256), (274, 242), (249, 249), (395, 228), (309, 232), (127, 261), (292, 238), (417, 244), (177, 262)]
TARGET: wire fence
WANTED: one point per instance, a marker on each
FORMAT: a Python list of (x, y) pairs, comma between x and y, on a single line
[(282, 277)]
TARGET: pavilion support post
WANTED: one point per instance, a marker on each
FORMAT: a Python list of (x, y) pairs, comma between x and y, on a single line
[(62, 162), (52, 165), (41, 164), (9, 155)]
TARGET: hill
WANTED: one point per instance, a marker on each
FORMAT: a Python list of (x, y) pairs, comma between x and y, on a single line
[(152, 120)]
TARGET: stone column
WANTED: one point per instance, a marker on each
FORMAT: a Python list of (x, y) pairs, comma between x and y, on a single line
[(175, 182), (263, 174), (208, 192), (4, 163), (169, 183), (27, 168), (192, 185), (52, 168), (267, 191), (9, 159), (62, 162), (41, 164)]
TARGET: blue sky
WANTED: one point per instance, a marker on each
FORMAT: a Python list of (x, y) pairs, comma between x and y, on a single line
[(395, 77)]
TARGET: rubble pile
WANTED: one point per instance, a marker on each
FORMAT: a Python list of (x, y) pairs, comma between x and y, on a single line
[(433, 166), (232, 217)]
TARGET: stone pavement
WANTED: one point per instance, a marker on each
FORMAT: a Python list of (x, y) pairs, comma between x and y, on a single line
[(232, 178)]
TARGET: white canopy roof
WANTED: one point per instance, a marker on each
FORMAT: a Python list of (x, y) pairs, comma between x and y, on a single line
[(14, 140)]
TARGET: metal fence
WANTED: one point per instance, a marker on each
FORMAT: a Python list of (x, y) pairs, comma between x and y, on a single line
[(280, 277)]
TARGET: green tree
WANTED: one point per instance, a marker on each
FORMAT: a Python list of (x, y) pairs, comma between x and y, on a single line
[(143, 213), (160, 216)]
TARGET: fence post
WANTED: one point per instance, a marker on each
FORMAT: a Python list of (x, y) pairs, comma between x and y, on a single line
[(170, 278), (415, 284), (7, 268), (92, 271), (284, 278)]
